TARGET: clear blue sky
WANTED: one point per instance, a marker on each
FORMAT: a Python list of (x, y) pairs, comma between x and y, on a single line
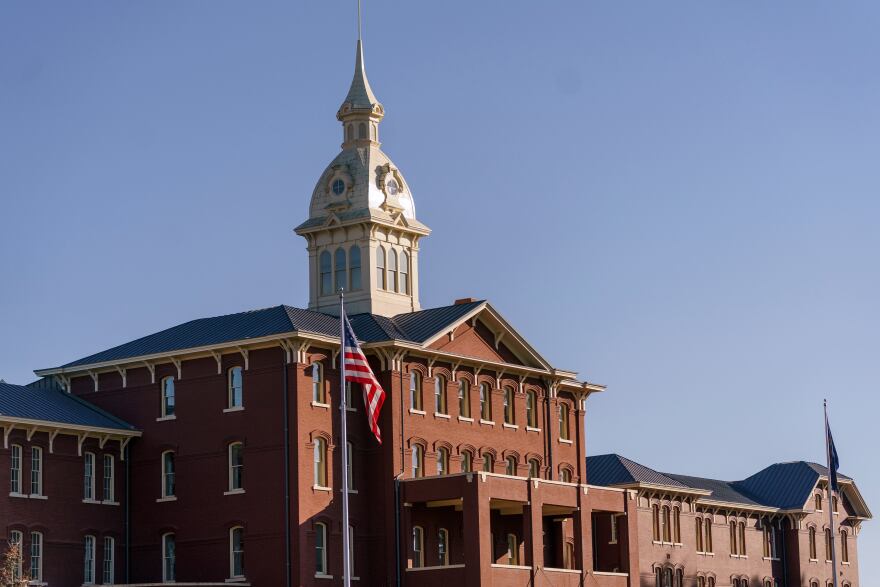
[(678, 199)]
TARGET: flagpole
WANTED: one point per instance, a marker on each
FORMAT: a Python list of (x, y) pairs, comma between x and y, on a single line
[(830, 494), (343, 415)]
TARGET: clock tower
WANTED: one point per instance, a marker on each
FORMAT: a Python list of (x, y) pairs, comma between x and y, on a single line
[(362, 233)]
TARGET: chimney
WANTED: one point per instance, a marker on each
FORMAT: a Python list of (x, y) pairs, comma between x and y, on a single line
[(461, 301)]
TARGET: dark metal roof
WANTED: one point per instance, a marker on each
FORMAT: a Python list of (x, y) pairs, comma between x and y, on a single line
[(721, 490), (785, 485), (612, 469), (51, 405), (413, 327)]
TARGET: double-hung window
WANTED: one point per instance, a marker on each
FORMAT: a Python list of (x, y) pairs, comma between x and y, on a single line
[(169, 558), (235, 393), (320, 549), (36, 556), (16, 539), (236, 553), (109, 479), (36, 471), (168, 482), (168, 397), (236, 466), (109, 561), (89, 561), (89, 476), (15, 470), (464, 398)]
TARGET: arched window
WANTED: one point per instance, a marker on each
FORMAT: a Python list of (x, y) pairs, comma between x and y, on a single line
[(531, 409), (15, 470), (701, 581), (488, 462), (415, 390), (485, 402), (381, 276), (814, 583), (89, 561), (418, 461), (769, 539), (418, 547), (442, 461), (834, 503), (844, 546), (339, 269), (742, 539), (676, 525), (534, 468), (326, 274), (828, 544), (349, 464), (442, 547), (818, 502), (318, 395), (564, 433), (89, 476), (658, 577), (656, 517), (813, 554), (464, 398), (236, 553), (512, 550), (679, 578), (362, 131), (354, 268), (320, 462), (666, 524), (467, 462), (16, 539), (404, 273), (509, 406), (236, 466), (511, 465), (167, 397), (566, 475), (710, 582), (733, 547), (37, 559), (349, 132), (168, 485), (320, 549), (667, 577), (169, 558), (440, 395), (707, 527), (699, 530), (235, 397), (392, 271)]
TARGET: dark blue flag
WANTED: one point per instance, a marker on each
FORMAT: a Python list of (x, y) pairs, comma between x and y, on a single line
[(833, 461)]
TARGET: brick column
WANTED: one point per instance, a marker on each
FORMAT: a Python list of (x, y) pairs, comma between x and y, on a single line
[(583, 533), (533, 529), (477, 529), (630, 558)]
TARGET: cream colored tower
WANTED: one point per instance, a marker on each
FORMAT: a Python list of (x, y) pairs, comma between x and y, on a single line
[(362, 231)]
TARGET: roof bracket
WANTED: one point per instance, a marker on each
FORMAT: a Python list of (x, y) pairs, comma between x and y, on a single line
[(219, 358), (244, 353), (80, 438), (52, 436), (64, 382), (333, 354), (498, 338), (179, 364), (94, 376), (104, 440), (455, 369), (8, 428), (30, 432), (122, 444), (152, 369), (431, 367), (122, 373), (288, 350)]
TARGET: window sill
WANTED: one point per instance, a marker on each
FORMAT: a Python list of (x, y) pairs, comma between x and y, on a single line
[(487, 422), (770, 558), (166, 418), (814, 560), (233, 492), (532, 429), (417, 412), (109, 502), (320, 405), (352, 491), (234, 409), (439, 415), (320, 488), (322, 576), (37, 496), (566, 441), (168, 498), (511, 426), (706, 553), (845, 563), (94, 501), (465, 419), (234, 580), (14, 494), (742, 556)]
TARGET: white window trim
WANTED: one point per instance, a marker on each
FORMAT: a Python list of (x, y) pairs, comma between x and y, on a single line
[(39, 492), (229, 390), (165, 496), (112, 497), (36, 580), (91, 497), (163, 414), (112, 561), (165, 579), (229, 488), (322, 528), (91, 567), (232, 530)]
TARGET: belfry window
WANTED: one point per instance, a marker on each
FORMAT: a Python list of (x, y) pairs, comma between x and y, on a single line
[(326, 274), (564, 432), (392, 270), (404, 273), (354, 268), (381, 276), (339, 269), (362, 131)]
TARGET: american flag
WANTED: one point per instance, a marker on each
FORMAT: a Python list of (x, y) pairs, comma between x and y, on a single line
[(357, 370)]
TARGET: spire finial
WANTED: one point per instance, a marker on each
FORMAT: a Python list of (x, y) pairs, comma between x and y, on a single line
[(359, 20)]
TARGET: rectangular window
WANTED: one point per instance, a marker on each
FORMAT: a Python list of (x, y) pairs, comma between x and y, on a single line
[(15, 541), (109, 558), (236, 466), (236, 553), (15, 470), (89, 476), (89, 561), (418, 546), (320, 549), (36, 470), (168, 558), (168, 474), (613, 529), (236, 388), (36, 556), (168, 397), (109, 479)]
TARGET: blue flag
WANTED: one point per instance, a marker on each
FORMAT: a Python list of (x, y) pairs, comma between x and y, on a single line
[(833, 461)]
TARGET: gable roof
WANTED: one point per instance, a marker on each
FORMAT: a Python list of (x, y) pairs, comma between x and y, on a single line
[(613, 469), (785, 485), (416, 327), (48, 404)]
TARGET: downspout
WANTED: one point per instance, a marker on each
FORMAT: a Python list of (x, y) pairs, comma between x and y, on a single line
[(784, 556), (285, 408), (127, 515), (548, 446)]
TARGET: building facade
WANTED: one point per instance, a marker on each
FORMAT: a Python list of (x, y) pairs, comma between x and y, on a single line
[(227, 431)]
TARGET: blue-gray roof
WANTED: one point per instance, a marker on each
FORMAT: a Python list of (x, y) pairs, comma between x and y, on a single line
[(47, 404), (782, 485), (412, 327)]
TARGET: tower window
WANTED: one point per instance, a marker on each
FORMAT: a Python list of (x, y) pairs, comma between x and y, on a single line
[(564, 432), (392, 270), (381, 277), (320, 462), (511, 466), (418, 461), (415, 390), (349, 132), (338, 187), (362, 131), (317, 383), (354, 268), (339, 265), (404, 273), (326, 274), (320, 549)]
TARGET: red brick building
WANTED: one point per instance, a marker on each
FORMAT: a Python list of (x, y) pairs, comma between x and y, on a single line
[(227, 430)]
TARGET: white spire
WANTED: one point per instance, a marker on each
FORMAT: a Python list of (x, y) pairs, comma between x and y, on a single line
[(360, 95)]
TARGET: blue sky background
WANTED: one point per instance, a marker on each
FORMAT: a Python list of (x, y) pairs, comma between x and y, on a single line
[(678, 199)]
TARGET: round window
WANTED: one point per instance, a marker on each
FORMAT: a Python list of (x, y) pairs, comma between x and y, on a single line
[(338, 187), (391, 187)]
